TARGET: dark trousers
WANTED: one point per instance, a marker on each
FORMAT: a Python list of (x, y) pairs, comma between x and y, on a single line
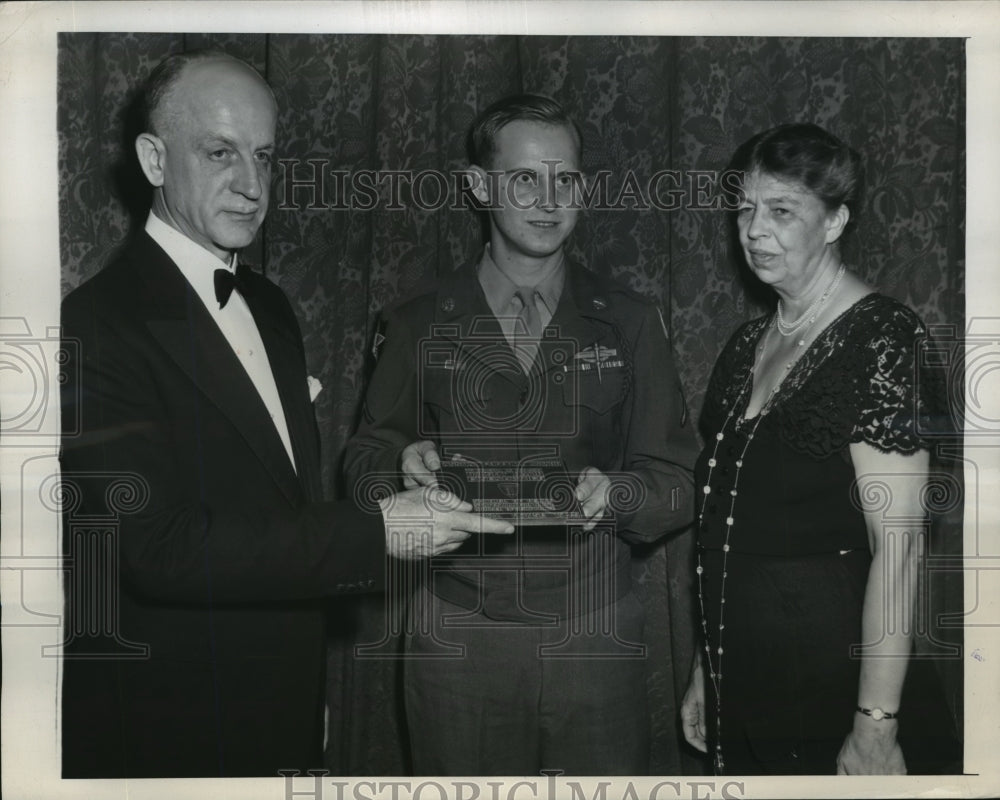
[(488, 697)]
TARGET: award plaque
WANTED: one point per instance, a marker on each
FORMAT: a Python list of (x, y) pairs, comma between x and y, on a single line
[(521, 492)]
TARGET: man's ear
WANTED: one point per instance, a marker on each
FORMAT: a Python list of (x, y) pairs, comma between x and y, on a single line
[(152, 157), (477, 178)]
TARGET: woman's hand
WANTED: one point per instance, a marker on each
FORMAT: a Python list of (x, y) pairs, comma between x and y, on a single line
[(871, 749), (693, 708)]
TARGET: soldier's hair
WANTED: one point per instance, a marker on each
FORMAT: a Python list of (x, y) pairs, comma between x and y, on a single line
[(526, 107)]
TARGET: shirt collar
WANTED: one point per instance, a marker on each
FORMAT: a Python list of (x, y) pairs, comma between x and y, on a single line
[(182, 249), (196, 264), (499, 288)]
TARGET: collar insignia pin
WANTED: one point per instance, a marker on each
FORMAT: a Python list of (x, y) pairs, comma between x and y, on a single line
[(600, 304), (448, 305)]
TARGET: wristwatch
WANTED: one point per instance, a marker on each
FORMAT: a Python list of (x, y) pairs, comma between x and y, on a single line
[(877, 713)]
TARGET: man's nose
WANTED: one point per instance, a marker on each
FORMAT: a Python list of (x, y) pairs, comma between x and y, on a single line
[(247, 181), (547, 199)]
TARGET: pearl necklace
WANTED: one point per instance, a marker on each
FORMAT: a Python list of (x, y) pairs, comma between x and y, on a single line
[(810, 314), (715, 665)]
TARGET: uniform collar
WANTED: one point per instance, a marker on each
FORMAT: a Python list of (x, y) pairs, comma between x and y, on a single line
[(461, 296), (499, 288)]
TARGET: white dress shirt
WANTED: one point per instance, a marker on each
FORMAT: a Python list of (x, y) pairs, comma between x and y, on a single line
[(235, 320)]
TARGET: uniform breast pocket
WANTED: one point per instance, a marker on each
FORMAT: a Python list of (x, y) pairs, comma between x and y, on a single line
[(456, 400), (597, 393), (437, 394)]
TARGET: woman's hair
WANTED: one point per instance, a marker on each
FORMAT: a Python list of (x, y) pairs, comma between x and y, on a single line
[(811, 156)]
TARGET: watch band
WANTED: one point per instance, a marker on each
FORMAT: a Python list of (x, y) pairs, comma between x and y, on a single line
[(877, 713)]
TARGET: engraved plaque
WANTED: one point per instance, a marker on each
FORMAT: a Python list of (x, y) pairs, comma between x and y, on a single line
[(538, 492)]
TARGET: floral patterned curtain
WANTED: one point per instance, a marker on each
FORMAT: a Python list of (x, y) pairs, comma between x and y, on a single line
[(350, 103)]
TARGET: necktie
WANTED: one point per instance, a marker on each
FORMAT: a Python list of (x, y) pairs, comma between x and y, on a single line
[(527, 328), (529, 315), (226, 281)]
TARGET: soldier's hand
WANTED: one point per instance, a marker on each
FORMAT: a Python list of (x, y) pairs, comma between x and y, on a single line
[(592, 488), (419, 461), (425, 521)]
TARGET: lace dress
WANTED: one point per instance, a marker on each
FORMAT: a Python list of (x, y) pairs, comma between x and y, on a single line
[(798, 558)]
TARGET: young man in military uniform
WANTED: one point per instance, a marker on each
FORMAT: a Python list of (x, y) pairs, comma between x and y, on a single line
[(524, 652)]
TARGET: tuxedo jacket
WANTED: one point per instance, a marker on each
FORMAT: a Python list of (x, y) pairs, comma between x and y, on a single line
[(198, 555)]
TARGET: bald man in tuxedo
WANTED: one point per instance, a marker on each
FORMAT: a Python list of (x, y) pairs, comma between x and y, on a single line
[(192, 384)]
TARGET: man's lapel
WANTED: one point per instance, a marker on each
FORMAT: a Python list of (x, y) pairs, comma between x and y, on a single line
[(463, 316), (583, 321), (179, 321), (285, 358)]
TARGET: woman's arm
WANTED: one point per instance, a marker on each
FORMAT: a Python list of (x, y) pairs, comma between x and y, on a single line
[(892, 483)]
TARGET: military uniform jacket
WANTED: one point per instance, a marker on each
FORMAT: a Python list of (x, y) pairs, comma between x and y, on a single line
[(603, 392)]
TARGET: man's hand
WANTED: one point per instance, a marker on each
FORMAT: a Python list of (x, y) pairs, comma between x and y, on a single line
[(425, 521), (592, 488), (419, 461)]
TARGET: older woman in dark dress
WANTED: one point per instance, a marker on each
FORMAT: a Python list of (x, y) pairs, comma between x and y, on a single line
[(805, 596)]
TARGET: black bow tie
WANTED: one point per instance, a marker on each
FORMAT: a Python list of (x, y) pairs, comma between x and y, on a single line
[(226, 281)]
